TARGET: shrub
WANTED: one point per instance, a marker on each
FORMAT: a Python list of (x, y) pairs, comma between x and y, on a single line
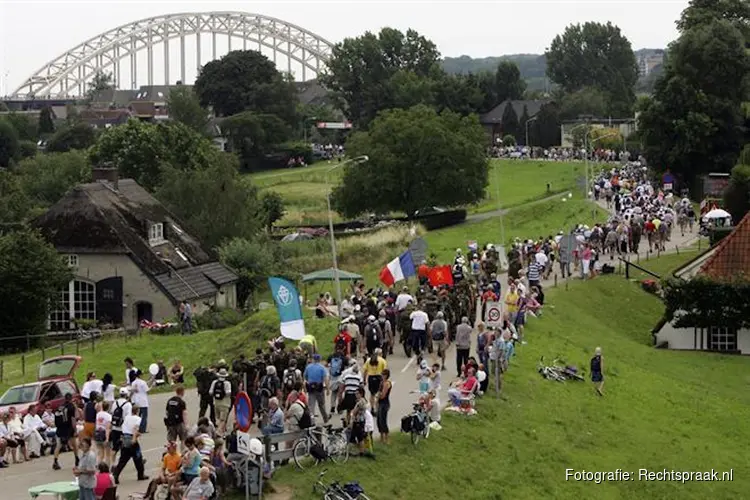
[(216, 319), (509, 140), (296, 149)]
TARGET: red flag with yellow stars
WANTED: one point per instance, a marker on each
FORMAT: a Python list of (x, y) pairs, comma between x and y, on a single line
[(440, 275)]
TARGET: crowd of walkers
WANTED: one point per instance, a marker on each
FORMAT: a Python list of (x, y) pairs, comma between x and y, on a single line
[(600, 155)]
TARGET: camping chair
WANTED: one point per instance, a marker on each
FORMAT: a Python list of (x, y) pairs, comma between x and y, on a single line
[(467, 401)]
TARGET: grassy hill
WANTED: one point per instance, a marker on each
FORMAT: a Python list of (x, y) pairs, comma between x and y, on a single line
[(662, 410)]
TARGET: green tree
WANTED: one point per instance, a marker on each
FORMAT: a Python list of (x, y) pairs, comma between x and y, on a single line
[(27, 149), (14, 202), (32, 274), (26, 128), (9, 147), (271, 209), (216, 203), (139, 150), (522, 125), (694, 122), (245, 80), (510, 121), (185, 107), (586, 101), (418, 158), (458, 93), (595, 55), (47, 177), (360, 70), (100, 81), (509, 141), (254, 260), (508, 82), (76, 136), (46, 126), (737, 195), (703, 12), (544, 132), (252, 135)]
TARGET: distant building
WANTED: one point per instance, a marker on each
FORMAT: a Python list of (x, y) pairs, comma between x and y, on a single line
[(492, 121), (131, 258), (727, 260), (647, 62)]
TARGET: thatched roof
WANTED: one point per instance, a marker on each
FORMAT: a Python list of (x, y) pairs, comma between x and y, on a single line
[(96, 218)]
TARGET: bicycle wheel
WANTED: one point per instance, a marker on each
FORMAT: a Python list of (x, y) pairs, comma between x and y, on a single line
[(301, 454), (426, 430), (332, 495), (338, 448)]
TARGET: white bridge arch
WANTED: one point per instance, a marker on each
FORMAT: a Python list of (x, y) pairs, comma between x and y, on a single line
[(68, 74)]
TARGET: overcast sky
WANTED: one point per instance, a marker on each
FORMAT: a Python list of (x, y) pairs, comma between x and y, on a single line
[(32, 33)]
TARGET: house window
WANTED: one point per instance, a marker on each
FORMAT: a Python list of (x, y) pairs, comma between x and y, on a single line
[(77, 300), (108, 294), (156, 233), (723, 339), (71, 260)]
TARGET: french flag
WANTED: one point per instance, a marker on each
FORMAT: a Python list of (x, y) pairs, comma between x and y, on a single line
[(398, 269)]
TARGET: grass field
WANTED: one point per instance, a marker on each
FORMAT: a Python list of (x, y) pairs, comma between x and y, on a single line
[(202, 348), (519, 182), (662, 410)]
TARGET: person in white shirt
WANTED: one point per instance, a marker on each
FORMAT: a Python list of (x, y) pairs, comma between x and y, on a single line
[(403, 299), (131, 448), (107, 389), (129, 367), (102, 431), (419, 323), (118, 417), (139, 396), (32, 439), (92, 384), (33, 423)]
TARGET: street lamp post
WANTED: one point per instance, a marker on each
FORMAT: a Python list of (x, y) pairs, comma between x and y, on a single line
[(358, 159), (527, 131)]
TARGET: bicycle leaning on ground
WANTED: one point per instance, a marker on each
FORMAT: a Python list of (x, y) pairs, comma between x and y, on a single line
[(319, 444), (558, 372), (417, 423), (336, 491)]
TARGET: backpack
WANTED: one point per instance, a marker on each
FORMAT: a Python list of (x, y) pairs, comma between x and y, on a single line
[(305, 421), (266, 385), (336, 366), (374, 335), (290, 379), (174, 415), (117, 416), (220, 391)]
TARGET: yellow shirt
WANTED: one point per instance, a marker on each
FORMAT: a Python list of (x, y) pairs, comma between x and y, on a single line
[(309, 339), (511, 301), (375, 369)]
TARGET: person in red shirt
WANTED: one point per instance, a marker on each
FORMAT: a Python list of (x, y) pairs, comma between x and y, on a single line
[(463, 388), (343, 339)]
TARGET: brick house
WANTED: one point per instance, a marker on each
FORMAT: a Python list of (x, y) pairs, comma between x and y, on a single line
[(131, 258), (728, 259)]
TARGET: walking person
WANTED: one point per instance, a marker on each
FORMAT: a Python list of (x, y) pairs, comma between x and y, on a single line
[(139, 396), (65, 427), (85, 471), (597, 369), (221, 391), (176, 418), (102, 431), (186, 318), (439, 329), (317, 383), (131, 448), (463, 344), (122, 408), (419, 323), (384, 405)]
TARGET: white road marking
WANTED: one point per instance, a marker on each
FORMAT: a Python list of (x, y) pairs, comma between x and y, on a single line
[(411, 360)]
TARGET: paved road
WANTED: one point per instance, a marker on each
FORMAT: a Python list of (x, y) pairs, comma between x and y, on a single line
[(17, 479)]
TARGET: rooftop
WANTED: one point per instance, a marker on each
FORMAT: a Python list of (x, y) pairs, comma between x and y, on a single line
[(731, 258)]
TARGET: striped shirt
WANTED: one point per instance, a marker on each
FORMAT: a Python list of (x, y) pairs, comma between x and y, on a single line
[(352, 381), (533, 273)]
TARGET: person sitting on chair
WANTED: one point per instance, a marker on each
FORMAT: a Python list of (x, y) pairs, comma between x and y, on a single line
[(463, 388)]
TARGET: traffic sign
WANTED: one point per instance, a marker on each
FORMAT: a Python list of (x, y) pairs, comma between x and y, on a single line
[(493, 314), (243, 411)]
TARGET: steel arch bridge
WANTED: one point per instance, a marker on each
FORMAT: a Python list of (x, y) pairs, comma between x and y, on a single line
[(68, 74)]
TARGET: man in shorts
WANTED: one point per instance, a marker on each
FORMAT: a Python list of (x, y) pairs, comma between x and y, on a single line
[(65, 424), (439, 329), (176, 416)]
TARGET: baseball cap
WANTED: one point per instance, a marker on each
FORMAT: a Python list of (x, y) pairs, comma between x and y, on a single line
[(316, 357)]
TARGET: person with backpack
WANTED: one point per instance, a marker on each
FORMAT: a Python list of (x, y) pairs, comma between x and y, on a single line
[(387, 329), (176, 419), (343, 339), (292, 377), (204, 377), (270, 387), (298, 415), (373, 336), (121, 408), (221, 391), (131, 447), (316, 380), (439, 331), (337, 362), (65, 426)]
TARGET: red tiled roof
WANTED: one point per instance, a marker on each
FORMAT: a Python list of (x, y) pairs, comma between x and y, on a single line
[(732, 256)]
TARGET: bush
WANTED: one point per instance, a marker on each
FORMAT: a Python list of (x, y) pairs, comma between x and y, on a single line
[(297, 149), (27, 149), (509, 140), (216, 319)]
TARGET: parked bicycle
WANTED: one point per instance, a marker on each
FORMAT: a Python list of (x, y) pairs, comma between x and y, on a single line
[(417, 423), (336, 491), (320, 444), (558, 372)]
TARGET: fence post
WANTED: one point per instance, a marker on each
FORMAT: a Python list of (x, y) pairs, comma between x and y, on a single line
[(62, 348), (23, 364)]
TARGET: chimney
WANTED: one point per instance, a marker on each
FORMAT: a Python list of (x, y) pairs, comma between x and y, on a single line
[(106, 173)]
